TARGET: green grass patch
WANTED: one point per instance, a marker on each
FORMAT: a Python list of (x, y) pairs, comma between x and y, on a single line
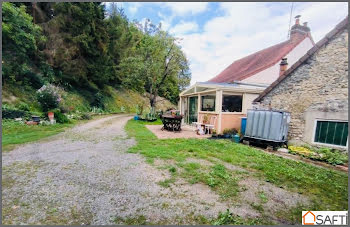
[(327, 188), (14, 133)]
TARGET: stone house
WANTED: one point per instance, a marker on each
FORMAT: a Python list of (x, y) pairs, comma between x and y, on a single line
[(226, 97), (315, 91)]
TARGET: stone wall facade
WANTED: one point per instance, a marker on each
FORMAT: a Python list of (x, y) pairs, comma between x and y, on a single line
[(319, 85)]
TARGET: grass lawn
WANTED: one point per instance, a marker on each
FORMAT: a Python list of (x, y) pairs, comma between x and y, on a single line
[(326, 188), (14, 133)]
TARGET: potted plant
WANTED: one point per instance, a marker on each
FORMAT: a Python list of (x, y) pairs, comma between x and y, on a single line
[(226, 133), (213, 134), (206, 119)]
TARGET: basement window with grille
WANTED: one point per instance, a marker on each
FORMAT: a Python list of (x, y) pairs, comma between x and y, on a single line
[(331, 132)]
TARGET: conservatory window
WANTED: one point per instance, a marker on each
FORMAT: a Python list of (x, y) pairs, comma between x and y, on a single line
[(231, 103), (208, 103)]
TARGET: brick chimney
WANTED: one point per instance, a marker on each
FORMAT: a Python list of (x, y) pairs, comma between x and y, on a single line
[(283, 66), (298, 31)]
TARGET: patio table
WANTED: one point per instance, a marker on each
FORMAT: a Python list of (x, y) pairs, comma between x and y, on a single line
[(171, 123)]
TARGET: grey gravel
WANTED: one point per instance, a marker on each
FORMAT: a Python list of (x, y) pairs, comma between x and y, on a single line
[(86, 176)]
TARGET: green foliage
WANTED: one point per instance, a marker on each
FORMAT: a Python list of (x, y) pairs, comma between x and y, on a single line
[(48, 96), (60, 117), (227, 218), (85, 116), (157, 65), (77, 48), (172, 169), (20, 38), (23, 106), (11, 113), (228, 131), (331, 156)]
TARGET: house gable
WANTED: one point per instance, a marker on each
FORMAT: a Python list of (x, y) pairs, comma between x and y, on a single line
[(315, 88), (261, 65), (271, 74)]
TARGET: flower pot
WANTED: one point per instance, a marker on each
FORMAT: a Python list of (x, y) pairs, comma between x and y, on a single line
[(50, 115)]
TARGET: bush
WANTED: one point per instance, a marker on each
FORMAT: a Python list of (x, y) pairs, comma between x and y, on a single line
[(23, 106), (331, 156), (11, 113), (95, 109), (60, 117), (232, 131), (86, 116), (48, 96)]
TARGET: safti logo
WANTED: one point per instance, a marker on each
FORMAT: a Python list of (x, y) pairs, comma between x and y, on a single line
[(325, 217), (309, 218)]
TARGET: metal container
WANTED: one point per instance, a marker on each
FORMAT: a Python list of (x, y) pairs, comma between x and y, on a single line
[(36, 118), (236, 138), (269, 125)]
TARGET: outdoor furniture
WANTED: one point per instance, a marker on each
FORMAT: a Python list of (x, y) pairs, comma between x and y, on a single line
[(171, 122), (199, 122), (211, 124)]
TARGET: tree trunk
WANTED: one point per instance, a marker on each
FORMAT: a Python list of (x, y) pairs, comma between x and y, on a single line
[(152, 100)]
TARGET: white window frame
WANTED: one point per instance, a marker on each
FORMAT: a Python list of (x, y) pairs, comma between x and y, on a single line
[(201, 104), (327, 144)]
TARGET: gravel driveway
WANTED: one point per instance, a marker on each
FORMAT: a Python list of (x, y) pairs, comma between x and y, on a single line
[(85, 176)]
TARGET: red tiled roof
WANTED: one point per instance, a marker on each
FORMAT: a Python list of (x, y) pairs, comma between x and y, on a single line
[(339, 28), (254, 63)]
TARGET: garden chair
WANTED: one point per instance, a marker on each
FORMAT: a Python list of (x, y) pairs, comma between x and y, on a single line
[(199, 122), (211, 124)]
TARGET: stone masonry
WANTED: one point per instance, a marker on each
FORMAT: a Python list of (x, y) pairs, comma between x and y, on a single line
[(319, 84)]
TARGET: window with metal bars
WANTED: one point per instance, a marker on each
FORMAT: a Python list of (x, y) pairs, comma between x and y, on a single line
[(332, 132)]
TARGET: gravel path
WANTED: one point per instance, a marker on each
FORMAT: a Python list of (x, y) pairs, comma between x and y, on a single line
[(85, 176)]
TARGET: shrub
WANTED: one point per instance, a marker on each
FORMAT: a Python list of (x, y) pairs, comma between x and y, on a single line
[(139, 108), (228, 131), (48, 96), (60, 117), (331, 156), (23, 106), (95, 109), (11, 113), (98, 100), (86, 116)]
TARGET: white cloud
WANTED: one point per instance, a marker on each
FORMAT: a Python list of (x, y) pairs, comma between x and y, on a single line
[(249, 27), (133, 7), (182, 8), (184, 27)]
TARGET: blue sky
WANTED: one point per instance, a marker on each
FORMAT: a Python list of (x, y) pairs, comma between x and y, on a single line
[(215, 34)]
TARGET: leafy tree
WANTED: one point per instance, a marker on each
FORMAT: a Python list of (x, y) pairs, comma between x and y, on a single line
[(78, 44), (158, 64), (20, 38)]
